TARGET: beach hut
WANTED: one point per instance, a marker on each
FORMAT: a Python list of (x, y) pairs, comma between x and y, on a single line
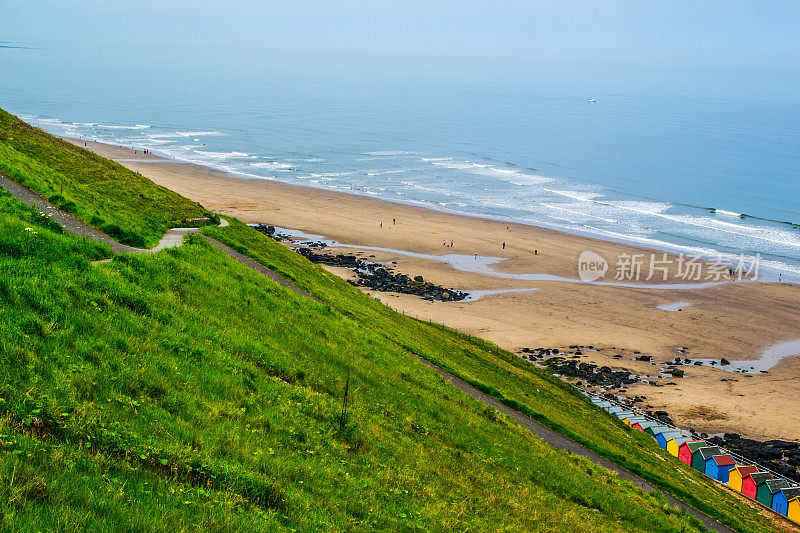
[(674, 445), (664, 436), (614, 409), (688, 449), (750, 483), (766, 490), (719, 467), (623, 414), (793, 510), (702, 455), (781, 499), (655, 430), (738, 474), (630, 420), (641, 426)]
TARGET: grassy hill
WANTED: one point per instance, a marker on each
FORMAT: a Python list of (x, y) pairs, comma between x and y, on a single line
[(184, 391), (123, 204)]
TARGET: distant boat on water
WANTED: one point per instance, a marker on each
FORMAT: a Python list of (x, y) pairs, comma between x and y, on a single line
[(592, 100)]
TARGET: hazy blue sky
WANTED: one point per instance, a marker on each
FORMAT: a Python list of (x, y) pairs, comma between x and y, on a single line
[(637, 31)]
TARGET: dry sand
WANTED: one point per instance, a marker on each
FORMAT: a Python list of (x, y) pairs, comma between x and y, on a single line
[(736, 320)]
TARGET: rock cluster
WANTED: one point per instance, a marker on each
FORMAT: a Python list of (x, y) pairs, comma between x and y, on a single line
[(590, 373), (269, 231), (780, 456), (587, 372), (376, 277)]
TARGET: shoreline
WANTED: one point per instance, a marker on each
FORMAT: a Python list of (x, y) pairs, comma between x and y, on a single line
[(772, 267), (734, 320)]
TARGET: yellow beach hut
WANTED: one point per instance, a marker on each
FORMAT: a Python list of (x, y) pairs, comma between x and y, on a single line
[(738, 474), (674, 444), (793, 511)]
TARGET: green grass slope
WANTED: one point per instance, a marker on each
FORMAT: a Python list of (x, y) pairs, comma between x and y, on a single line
[(184, 391), (105, 194), (505, 376)]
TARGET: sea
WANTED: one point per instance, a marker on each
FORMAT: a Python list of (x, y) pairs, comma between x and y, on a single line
[(692, 159)]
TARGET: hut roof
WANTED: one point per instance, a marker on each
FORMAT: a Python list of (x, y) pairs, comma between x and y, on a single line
[(709, 451), (791, 493), (774, 485), (680, 440), (760, 477), (695, 445), (636, 418), (723, 460), (745, 471)]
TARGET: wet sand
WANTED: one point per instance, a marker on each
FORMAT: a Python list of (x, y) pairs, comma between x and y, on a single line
[(737, 321)]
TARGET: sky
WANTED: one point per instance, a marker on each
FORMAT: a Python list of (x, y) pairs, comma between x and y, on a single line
[(697, 32)]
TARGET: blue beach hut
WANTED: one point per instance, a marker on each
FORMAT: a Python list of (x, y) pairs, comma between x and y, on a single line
[(719, 467), (780, 500), (664, 436)]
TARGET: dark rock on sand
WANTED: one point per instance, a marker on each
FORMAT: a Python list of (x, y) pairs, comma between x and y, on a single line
[(376, 277)]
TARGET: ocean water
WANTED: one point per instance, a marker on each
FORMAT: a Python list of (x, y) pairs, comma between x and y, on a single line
[(700, 161)]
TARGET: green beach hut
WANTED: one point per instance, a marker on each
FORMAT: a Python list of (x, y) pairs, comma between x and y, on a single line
[(700, 457), (767, 490)]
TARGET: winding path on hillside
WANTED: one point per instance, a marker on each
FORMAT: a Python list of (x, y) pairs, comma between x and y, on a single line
[(174, 238), (171, 239)]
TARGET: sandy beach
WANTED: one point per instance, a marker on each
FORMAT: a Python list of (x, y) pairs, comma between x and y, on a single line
[(735, 320)]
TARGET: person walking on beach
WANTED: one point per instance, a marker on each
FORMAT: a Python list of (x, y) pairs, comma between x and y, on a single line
[(504, 245), (444, 243), (381, 223), (451, 243), (476, 256), (394, 221)]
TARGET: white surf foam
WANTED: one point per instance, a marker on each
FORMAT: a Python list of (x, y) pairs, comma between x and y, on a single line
[(383, 172), (121, 127), (388, 153), (728, 213), (273, 165), (199, 133)]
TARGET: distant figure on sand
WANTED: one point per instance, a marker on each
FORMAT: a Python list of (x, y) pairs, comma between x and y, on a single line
[(476, 255), (381, 223), (394, 221), (536, 252), (444, 243), (504, 245), (451, 244), (779, 276)]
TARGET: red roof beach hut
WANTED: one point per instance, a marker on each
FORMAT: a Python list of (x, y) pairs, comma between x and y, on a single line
[(719, 467)]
